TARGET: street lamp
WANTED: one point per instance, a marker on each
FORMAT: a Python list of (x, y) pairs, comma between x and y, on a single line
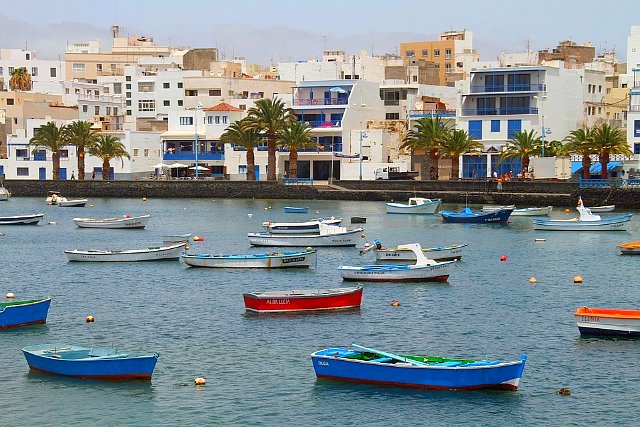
[(197, 143), (542, 99), (362, 106)]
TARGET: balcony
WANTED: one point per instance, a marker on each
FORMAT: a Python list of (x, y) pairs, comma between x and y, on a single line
[(337, 148), (304, 102), (191, 155), (531, 87), (498, 111), (323, 123), (419, 114)]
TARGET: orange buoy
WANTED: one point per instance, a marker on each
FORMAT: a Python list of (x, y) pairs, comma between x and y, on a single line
[(564, 392), (395, 303), (577, 279), (567, 211), (533, 280), (503, 258), (90, 319)]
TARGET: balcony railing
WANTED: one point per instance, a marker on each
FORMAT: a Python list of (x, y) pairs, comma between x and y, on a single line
[(337, 148), (527, 87), (320, 101), (323, 123), (191, 155), (418, 114), (498, 111)]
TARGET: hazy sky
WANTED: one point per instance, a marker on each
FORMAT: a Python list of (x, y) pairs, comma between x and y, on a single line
[(269, 31)]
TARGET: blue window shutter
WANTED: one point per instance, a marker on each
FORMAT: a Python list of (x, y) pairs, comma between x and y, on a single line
[(513, 127), (495, 125), (475, 129), (636, 128)]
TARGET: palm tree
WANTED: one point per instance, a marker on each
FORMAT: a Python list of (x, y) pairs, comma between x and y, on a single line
[(456, 144), (580, 141), (49, 136), (20, 79), (429, 135), (243, 133), (108, 147), (609, 140), (522, 146), (270, 117), (83, 136), (552, 148), (294, 136)]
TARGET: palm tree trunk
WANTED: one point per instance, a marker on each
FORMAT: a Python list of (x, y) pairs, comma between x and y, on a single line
[(525, 162), (106, 166), (586, 166), (293, 163), (271, 159), (433, 165), (80, 163), (604, 161), (251, 165), (455, 167), (56, 165)]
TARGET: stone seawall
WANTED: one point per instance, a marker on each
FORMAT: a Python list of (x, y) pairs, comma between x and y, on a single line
[(524, 193)]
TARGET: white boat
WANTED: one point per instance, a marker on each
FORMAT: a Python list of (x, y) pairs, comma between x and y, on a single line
[(544, 211), (124, 222), (416, 205), (285, 259), (157, 253), (491, 208), (330, 235), (4, 193), (171, 239), (21, 219), (424, 270), (74, 203), (605, 208), (438, 253), (307, 227), (586, 222)]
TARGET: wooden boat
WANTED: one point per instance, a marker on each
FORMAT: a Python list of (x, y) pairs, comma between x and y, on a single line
[(303, 300), (491, 208), (586, 222), (172, 239), (631, 248), (543, 211), (154, 253), (293, 209), (21, 219), (307, 227), (605, 208), (438, 253), (285, 259), (22, 313), (369, 365), (330, 235), (83, 362), (424, 270), (608, 321), (52, 197), (416, 205), (74, 203), (466, 215), (124, 222), (4, 194)]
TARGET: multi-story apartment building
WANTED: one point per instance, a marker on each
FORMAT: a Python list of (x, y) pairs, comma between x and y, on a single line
[(46, 75), (633, 119), (96, 104)]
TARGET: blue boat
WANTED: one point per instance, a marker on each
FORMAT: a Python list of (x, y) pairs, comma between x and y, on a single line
[(82, 362), (369, 365), (293, 209), (23, 313), (466, 215)]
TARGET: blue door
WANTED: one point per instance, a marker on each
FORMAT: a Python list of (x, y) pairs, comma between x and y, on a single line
[(1, 170), (63, 174), (257, 172), (98, 172), (42, 174)]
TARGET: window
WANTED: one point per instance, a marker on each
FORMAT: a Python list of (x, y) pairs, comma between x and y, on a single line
[(217, 120), (147, 105), (135, 152), (513, 127), (179, 85), (22, 153), (415, 78), (128, 78), (96, 110), (128, 103), (410, 53), (34, 71), (78, 68), (128, 112), (1, 70), (64, 154), (447, 67), (392, 116), (224, 120), (145, 87), (166, 85), (437, 66), (425, 52), (52, 72), (66, 91), (22, 171), (128, 86), (99, 68), (11, 69), (146, 152), (108, 111), (208, 120), (127, 95), (115, 111), (85, 108), (636, 148), (447, 54), (242, 169), (10, 101), (166, 103), (599, 110), (215, 92), (180, 102), (190, 93), (475, 129), (495, 125), (599, 88), (117, 88), (186, 121), (243, 107), (636, 128), (436, 53)]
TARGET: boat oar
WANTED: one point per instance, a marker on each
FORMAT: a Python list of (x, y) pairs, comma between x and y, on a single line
[(391, 355)]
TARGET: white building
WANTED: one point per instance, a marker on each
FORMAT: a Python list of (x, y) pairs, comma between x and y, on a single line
[(96, 104), (46, 75)]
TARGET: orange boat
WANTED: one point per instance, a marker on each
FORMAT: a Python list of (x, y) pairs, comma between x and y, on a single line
[(631, 248), (608, 321)]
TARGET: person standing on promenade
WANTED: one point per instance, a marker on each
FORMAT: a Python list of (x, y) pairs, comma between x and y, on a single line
[(93, 175), (73, 176), (499, 187)]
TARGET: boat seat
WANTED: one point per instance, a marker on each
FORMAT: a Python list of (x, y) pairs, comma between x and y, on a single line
[(449, 364), (381, 360)]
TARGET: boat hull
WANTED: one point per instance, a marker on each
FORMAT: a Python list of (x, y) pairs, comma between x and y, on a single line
[(78, 203), (292, 209), (314, 300), (505, 376), (607, 208), (428, 208), (532, 211), (166, 253), (98, 367), (309, 227), (631, 248), (23, 313), (137, 222), (499, 216), (21, 219), (397, 273), (349, 238), (619, 223), (608, 322), (441, 253), (283, 260)]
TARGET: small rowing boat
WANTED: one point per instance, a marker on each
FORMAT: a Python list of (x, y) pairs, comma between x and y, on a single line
[(631, 248), (303, 300), (608, 321), (23, 313), (308, 227), (125, 222), (416, 205), (285, 259), (21, 219), (153, 253)]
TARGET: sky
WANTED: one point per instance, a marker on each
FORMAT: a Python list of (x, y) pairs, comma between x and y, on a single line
[(272, 31)]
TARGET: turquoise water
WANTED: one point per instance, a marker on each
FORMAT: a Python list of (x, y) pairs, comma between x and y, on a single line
[(258, 368)]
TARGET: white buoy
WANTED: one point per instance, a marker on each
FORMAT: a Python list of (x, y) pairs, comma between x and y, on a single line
[(541, 240), (533, 280), (577, 279), (250, 215), (200, 381), (52, 223), (10, 295)]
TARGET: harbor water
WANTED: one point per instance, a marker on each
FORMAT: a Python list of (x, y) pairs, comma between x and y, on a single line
[(258, 367)]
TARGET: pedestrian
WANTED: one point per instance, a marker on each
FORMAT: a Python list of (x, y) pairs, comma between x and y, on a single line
[(495, 174), (499, 187), (93, 175), (73, 176)]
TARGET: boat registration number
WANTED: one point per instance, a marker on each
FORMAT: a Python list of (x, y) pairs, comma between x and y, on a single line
[(296, 259), (590, 319)]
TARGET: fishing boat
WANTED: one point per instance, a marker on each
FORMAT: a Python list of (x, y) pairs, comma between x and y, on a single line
[(307, 227), (126, 221), (293, 209), (23, 313), (83, 362), (152, 253), (608, 321), (21, 219), (330, 235), (4, 193), (586, 222), (604, 208), (466, 215), (303, 300), (542, 211), (491, 208), (73, 203), (53, 197), (424, 270), (438, 253), (172, 239), (368, 365), (285, 259), (416, 205), (631, 248)]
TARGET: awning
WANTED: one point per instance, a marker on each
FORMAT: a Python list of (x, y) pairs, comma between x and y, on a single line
[(595, 169)]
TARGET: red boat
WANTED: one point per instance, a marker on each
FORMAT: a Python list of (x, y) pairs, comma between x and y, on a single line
[(303, 300)]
